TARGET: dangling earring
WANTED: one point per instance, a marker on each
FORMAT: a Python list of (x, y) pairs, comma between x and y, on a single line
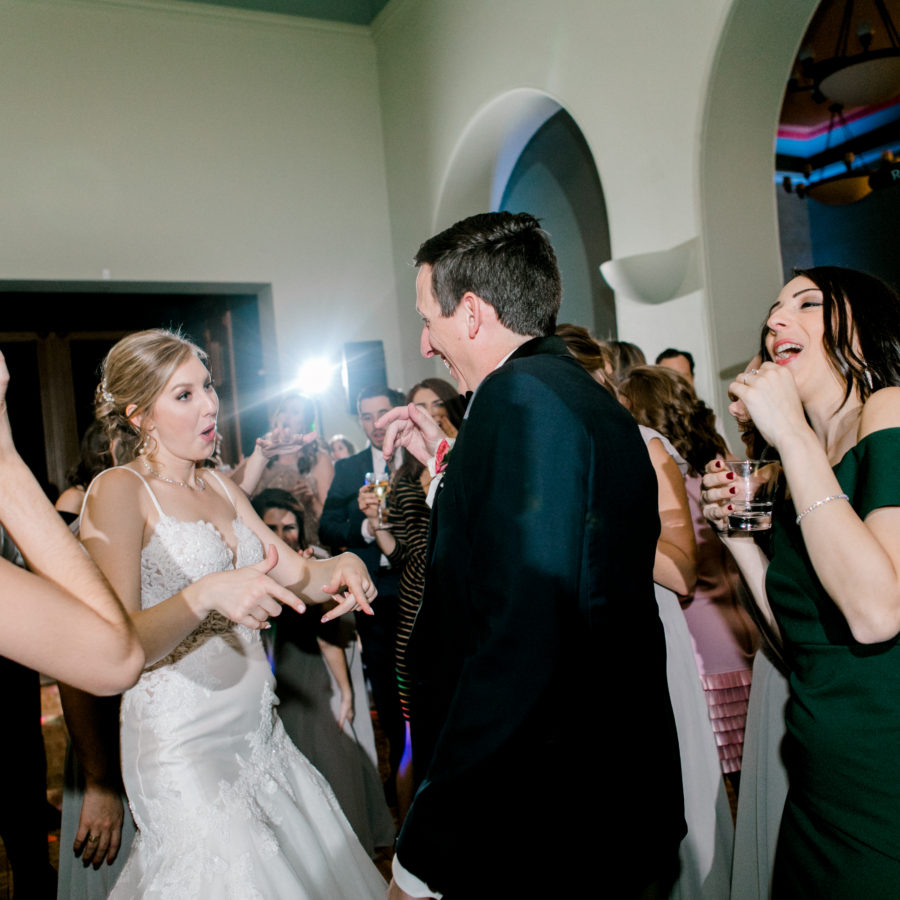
[(868, 376), (145, 444)]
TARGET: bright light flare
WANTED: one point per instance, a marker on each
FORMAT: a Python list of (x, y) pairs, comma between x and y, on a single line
[(315, 376)]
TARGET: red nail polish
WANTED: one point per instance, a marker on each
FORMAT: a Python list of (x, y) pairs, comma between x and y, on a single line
[(730, 476), (732, 490), (730, 508)]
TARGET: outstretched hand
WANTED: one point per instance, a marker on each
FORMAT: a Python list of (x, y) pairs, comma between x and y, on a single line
[(351, 587), (412, 428), (282, 441), (249, 596)]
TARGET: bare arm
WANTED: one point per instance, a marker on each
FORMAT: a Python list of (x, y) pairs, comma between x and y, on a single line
[(675, 566), (64, 619), (858, 562), (746, 552), (93, 725), (112, 529), (343, 577), (337, 662)]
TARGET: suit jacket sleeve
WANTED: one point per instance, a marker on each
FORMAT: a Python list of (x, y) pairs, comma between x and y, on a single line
[(341, 522), (515, 555)]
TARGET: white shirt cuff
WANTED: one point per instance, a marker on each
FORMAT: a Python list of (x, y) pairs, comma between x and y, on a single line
[(366, 532), (432, 489), (408, 882)]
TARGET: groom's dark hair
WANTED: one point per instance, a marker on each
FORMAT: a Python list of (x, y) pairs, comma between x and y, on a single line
[(504, 258)]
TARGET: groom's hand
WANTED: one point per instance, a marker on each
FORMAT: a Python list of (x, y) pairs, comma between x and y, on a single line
[(412, 428)]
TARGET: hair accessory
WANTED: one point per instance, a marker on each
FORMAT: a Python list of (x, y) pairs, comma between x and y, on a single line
[(105, 394), (201, 484), (822, 502)]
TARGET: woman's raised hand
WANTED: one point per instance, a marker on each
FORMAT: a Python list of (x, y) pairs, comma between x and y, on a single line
[(350, 585), (369, 503), (769, 396), (281, 441), (718, 491), (248, 595)]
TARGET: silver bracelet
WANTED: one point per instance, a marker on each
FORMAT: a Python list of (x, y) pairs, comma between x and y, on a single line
[(819, 503)]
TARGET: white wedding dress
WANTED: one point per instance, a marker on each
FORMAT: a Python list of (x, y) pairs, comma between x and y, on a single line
[(225, 804)]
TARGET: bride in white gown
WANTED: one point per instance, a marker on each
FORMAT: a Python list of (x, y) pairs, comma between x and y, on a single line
[(226, 806)]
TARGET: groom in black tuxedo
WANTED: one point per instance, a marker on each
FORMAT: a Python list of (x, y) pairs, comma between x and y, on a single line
[(541, 721)]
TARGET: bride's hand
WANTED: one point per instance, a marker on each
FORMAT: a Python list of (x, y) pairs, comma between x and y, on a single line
[(247, 595), (350, 585)]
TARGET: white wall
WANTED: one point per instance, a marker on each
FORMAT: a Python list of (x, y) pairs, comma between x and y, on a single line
[(169, 144), (631, 73)]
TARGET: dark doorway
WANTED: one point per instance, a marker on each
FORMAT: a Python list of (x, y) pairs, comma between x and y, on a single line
[(555, 179), (55, 336)]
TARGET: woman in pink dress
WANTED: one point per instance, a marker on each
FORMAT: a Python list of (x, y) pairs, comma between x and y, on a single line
[(724, 637)]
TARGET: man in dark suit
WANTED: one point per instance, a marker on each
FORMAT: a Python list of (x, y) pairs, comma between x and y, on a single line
[(343, 527), (540, 710)]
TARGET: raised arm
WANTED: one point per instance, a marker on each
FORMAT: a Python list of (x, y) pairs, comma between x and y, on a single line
[(64, 619), (856, 559), (343, 578)]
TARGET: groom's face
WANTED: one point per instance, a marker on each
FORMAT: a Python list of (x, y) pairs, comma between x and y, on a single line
[(442, 336)]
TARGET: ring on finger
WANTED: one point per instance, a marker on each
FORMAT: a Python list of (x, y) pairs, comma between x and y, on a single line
[(92, 838)]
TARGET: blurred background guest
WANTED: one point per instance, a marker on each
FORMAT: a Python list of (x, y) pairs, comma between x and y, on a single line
[(405, 544), (724, 637), (341, 447), (324, 704)]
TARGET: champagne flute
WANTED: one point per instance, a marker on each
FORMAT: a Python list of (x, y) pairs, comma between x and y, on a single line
[(380, 486)]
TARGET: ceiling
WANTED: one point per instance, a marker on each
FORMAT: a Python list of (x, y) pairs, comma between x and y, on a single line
[(804, 140), (356, 12)]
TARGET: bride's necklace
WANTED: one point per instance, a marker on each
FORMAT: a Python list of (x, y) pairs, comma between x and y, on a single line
[(201, 484)]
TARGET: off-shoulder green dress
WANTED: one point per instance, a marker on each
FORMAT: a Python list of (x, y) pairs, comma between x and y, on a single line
[(840, 835)]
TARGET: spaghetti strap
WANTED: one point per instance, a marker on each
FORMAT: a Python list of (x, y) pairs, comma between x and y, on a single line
[(137, 475), (218, 478)]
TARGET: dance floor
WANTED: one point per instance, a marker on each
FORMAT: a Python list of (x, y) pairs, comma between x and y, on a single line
[(55, 737)]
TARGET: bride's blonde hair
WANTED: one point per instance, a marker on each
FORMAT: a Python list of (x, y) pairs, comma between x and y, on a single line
[(135, 372)]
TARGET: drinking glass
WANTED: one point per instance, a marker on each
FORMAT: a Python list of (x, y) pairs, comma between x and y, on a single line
[(380, 486), (757, 482)]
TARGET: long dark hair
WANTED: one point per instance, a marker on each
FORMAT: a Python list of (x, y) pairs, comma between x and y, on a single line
[(661, 399), (862, 328), (411, 468)]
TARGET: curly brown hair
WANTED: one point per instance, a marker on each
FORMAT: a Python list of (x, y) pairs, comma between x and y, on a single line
[(661, 399)]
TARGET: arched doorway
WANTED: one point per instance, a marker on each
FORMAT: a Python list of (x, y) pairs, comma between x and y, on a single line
[(524, 152)]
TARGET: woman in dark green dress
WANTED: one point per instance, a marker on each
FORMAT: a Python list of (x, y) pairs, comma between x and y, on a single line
[(827, 398)]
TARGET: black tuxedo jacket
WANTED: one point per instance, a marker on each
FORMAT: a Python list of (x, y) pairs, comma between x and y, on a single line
[(341, 522), (540, 710)]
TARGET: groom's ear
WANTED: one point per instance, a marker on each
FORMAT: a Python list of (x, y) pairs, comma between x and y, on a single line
[(473, 311)]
